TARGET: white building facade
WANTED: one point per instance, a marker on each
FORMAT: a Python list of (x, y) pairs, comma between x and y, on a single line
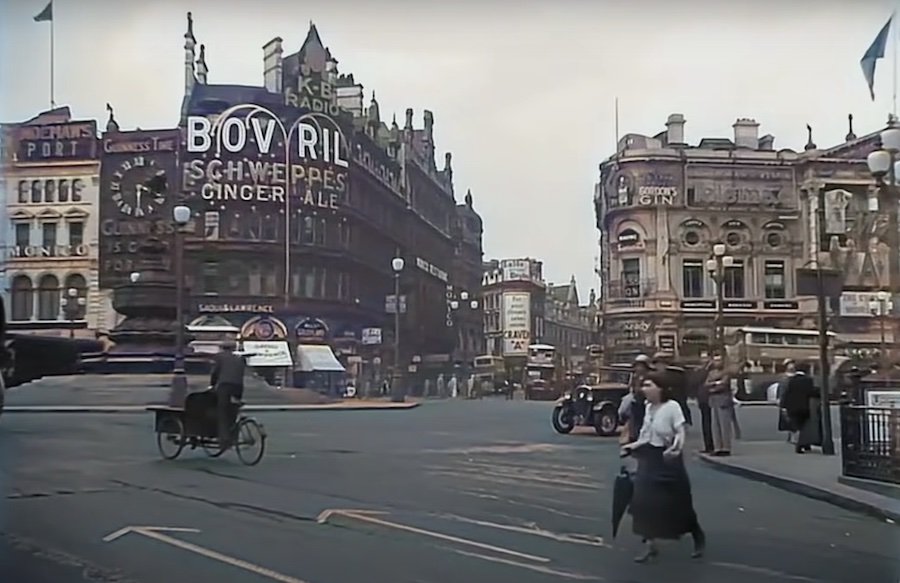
[(51, 181)]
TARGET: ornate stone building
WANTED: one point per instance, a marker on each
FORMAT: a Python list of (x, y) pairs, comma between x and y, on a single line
[(662, 204), (301, 196), (50, 175), (569, 325)]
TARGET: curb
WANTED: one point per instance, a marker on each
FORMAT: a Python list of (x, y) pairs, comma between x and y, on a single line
[(132, 409), (803, 489)]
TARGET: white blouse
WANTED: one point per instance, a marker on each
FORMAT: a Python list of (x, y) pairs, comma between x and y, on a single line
[(661, 423)]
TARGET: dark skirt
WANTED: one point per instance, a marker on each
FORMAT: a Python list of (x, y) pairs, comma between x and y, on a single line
[(662, 506)]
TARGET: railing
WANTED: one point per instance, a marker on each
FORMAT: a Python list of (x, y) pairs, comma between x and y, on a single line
[(870, 443), (630, 290)]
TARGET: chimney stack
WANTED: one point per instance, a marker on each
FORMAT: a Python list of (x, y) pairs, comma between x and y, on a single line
[(272, 65), (746, 133), (675, 129)]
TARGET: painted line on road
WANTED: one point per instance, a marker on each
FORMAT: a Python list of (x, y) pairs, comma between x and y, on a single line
[(478, 493), (367, 516), (535, 474), (156, 533), (536, 568), (510, 480), (534, 530)]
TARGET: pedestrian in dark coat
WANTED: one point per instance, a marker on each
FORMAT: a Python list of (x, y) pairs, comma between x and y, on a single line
[(798, 393)]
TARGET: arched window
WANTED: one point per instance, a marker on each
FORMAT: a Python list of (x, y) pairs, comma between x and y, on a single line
[(48, 298), (22, 298), (78, 309), (36, 191)]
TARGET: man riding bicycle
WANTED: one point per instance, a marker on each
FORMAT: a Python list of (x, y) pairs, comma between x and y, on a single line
[(227, 380)]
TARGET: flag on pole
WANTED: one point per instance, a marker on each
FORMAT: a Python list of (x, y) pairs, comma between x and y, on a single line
[(875, 52), (46, 14)]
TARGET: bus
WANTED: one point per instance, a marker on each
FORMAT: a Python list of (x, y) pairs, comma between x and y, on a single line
[(491, 369), (541, 372), (758, 355)]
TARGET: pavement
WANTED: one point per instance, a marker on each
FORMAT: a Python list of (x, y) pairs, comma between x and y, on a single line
[(133, 393), (475, 491)]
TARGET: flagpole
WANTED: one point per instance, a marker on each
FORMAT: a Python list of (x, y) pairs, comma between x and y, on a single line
[(894, 35), (53, 88)]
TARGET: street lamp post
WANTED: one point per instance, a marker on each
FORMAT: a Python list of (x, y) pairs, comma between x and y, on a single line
[(397, 395), (881, 308), (885, 167), (716, 266), (182, 215), (72, 305), (464, 301)]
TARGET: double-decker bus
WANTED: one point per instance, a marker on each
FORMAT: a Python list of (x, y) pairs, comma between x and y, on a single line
[(542, 372), (759, 353), (490, 369)]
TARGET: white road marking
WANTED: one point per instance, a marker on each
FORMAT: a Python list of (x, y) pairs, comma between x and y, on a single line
[(537, 568), (534, 530), (156, 533), (365, 516)]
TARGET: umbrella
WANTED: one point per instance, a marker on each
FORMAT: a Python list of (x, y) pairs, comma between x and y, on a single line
[(623, 488)]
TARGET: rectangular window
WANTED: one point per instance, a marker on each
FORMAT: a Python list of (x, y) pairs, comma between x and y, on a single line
[(734, 284), (307, 230), (23, 236), (211, 278), (774, 276), (321, 231), (631, 278), (48, 236), (692, 278), (76, 233)]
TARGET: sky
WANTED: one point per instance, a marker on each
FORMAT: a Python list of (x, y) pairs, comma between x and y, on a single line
[(522, 92)]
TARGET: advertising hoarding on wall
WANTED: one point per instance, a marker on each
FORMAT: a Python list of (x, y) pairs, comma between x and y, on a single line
[(516, 323), (516, 269)]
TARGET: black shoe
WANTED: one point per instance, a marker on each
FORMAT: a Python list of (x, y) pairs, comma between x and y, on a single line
[(699, 546), (648, 554)]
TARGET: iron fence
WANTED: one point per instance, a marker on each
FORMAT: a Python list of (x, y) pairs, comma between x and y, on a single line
[(870, 443)]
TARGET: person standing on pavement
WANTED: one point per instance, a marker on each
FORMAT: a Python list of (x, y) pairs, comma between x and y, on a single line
[(703, 405), (441, 386), (721, 405), (662, 505), (227, 380), (676, 381), (784, 421), (796, 400), (632, 406)]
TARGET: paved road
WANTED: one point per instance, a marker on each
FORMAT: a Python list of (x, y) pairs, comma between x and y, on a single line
[(458, 491)]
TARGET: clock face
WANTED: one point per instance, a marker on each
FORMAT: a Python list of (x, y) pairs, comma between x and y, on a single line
[(139, 187)]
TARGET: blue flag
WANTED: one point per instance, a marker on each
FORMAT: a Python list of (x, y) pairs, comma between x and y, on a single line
[(46, 14), (875, 52)]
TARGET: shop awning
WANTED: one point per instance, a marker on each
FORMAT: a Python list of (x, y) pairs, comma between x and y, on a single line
[(317, 358)]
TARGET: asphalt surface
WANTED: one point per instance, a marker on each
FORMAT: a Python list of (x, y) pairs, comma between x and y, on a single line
[(474, 491)]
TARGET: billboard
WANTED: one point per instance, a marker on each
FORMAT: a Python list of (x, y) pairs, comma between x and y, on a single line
[(516, 269), (516, 323), (61, 142), (257, 171), (137, 188)]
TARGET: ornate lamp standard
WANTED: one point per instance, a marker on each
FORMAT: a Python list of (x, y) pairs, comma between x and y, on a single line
[(885, 168), (716, 266), (72, 306), (881, 307), (182, 215), (397, 395), (464, 302)]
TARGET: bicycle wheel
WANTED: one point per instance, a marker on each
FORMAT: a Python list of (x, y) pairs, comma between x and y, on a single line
[(251, 441), (170, 438)]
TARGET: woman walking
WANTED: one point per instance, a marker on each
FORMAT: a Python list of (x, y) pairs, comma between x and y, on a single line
[(662, 506)]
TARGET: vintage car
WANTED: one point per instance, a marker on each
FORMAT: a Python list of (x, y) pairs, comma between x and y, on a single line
[(594, 405)]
